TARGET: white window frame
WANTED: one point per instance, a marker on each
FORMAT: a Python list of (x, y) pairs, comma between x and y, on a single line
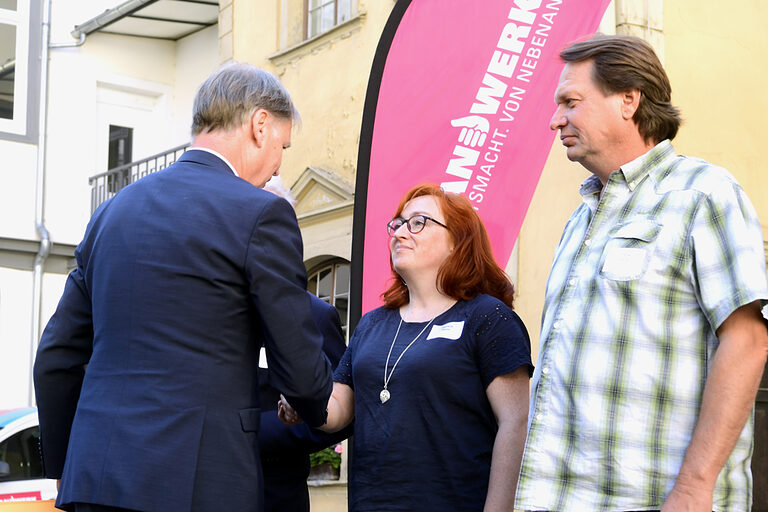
[(308, 34), (19, 19), (313, 283)]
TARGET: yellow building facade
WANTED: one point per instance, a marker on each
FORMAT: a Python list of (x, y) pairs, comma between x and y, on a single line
[(713, 52)]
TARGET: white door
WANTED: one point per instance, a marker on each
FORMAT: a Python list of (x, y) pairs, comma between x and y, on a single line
[(144, 111)]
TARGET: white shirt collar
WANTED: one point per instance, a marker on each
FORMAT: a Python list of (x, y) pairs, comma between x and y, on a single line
[(209, 150)]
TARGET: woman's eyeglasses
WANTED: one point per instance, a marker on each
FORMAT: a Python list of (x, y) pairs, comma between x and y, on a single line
[(415, 224)]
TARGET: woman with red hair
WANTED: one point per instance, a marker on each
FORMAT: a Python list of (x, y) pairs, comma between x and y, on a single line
[(436, 379)]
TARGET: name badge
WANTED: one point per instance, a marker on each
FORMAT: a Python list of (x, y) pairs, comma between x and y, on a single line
[(263, 358), (625, 263), (449, 331)]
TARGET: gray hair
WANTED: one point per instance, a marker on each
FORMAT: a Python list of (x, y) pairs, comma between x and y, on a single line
[(233, 93), (275, 185)]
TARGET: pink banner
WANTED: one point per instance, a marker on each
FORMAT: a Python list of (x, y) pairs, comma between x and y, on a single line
[(21, 496), (464, 100)]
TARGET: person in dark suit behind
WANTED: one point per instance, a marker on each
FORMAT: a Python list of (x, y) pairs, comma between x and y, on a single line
[(180, 279), (285, 450)]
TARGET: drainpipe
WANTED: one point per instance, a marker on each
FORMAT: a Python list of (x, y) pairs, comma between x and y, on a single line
[(42, 231)]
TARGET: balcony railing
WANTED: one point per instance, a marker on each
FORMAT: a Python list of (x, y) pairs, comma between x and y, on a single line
[(109, 183)]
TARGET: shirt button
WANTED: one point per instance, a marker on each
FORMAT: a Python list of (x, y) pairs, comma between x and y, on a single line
[(539, 416), (545, 371), (556, 325), (588, 242), (572, 282)]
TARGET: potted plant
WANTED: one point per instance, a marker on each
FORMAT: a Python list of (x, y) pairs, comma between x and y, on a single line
[(325, 464)]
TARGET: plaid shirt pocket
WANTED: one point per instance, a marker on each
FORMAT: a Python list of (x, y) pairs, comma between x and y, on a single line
[(629, 250)]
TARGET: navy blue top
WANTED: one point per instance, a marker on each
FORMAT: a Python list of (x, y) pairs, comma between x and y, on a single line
[(429, 447)]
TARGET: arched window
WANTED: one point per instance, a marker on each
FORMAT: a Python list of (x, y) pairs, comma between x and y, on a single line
[(330, 282)]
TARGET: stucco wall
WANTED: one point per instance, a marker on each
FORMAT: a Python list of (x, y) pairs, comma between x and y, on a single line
[(715, 58), (17, 193), (15, 328), (197, 55), (329, 236), (15, 303), (327, 80)]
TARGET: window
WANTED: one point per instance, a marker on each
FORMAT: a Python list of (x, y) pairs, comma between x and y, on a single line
[(120, 153), (330, 282), (323, 15), (22, 453), (17, 86), (120, 145)]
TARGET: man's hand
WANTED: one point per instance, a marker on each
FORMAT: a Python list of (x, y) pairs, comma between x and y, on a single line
[(286, 413), (725, 407), (685, 498)]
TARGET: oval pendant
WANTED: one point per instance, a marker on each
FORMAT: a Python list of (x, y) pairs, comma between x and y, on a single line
[(384, 395)]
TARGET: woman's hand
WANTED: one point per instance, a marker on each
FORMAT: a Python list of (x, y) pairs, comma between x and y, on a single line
[(286, 413)]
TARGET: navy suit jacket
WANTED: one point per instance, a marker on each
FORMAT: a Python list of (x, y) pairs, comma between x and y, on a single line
[(285, 450), (180, 279)]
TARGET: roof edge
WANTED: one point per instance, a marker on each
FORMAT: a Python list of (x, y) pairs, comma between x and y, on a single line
[(109, 16)]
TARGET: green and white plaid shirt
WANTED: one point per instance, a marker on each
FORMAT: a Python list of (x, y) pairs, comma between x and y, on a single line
[(640, 281)]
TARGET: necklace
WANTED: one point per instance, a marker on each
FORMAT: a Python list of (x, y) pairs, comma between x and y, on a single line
[(385, 395)]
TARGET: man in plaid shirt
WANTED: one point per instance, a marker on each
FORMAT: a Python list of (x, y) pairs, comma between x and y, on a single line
[(652, 341)]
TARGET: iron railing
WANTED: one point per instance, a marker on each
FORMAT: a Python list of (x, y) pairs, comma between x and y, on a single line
[(109, 183)]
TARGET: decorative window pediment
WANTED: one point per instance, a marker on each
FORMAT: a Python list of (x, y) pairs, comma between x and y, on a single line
[(319, 192)]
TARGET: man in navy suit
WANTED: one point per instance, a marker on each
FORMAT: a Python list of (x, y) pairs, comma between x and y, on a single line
[(180, 279)]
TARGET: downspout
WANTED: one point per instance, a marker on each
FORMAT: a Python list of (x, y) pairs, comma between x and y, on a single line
[(42, 231)]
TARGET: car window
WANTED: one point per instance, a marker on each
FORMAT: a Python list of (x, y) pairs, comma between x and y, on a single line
[(22, 453)]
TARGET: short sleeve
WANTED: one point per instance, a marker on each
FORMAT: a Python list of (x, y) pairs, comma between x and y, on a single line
[(343, 372), (502, 344), (727, 245)]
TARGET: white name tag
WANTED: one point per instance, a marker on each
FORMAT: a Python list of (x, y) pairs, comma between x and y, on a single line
[(449, 331), (263, 358), (624, 262)]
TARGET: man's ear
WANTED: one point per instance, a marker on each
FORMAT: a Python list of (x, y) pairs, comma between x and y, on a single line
[(630, 101), (259, 121)]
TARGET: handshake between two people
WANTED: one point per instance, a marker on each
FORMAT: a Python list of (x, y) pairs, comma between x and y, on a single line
[(341, 410), (286, 413)]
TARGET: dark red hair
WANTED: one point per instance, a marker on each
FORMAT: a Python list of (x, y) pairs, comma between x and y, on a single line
[(470, 268)]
